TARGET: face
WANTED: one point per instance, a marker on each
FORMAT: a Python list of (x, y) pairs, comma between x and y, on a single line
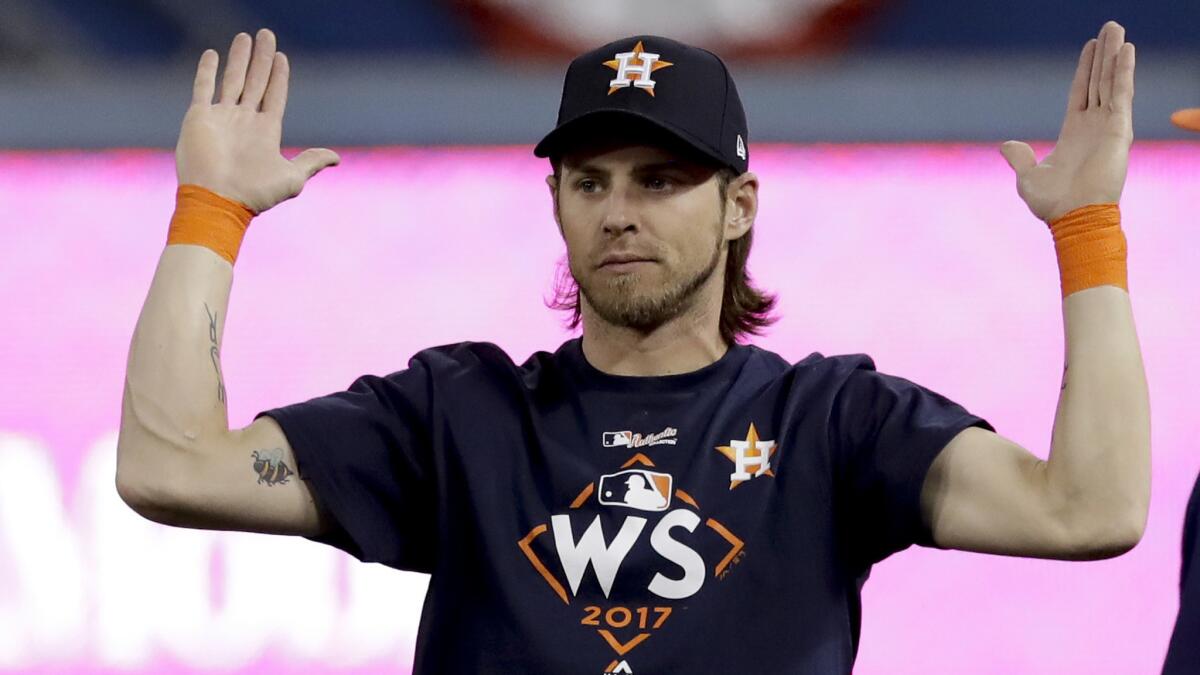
[(645, 232)]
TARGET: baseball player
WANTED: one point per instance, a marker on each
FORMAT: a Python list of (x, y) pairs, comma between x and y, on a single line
[(1183, 653), (656, 496)]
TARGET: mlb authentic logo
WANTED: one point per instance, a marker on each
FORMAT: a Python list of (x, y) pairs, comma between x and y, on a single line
[(636, 489), (629, 439), (751, 457), (634, 69)]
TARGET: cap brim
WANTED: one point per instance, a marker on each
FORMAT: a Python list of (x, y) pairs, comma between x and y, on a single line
[(1187, 119), (554, 143)]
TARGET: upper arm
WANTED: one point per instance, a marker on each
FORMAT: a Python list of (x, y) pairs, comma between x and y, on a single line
[(986, 493), (242, 480)]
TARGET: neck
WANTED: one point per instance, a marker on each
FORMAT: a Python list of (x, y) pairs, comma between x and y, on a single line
[(685, 343)]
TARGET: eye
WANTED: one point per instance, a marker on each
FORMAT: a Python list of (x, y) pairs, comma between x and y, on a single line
[(657, 183), (587, 185)]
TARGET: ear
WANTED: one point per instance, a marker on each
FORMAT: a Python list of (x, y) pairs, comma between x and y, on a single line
[(552, 183), (741, 205)]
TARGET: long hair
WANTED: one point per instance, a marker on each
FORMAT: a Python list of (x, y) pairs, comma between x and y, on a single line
[(745, 309)]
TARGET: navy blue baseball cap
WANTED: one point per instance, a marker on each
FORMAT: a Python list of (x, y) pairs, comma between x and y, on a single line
[(650, 80)]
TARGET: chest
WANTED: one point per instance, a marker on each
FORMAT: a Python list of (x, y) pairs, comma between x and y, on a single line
[(651, 496)]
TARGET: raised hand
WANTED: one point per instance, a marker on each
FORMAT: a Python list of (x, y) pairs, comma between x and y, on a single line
[(1089, 161), (232, 146)]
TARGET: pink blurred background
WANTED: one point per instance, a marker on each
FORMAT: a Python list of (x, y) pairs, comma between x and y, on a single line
[(920, 255)]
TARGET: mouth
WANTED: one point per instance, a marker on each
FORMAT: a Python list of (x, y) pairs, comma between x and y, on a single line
[(626, 267), (625, 262)]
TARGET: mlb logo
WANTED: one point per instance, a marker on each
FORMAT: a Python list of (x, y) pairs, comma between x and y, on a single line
[(636, 489), (617, 439)]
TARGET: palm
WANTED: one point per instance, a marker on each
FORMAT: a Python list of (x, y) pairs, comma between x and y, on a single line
[(1089, 161), (232, 146)]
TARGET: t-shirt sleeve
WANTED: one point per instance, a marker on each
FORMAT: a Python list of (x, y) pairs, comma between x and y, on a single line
[(885, 433), (365, 453), (1183, 652)]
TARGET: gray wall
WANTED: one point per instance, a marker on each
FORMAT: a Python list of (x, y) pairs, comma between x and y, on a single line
[(901, 97)]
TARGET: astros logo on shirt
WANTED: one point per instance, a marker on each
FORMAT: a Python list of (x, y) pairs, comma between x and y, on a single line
[(751, 453)]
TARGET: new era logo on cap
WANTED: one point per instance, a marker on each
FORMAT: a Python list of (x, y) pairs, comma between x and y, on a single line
[(684, 91)]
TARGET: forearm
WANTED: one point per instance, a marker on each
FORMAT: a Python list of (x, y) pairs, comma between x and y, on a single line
[(1099, 462), (174, 397)]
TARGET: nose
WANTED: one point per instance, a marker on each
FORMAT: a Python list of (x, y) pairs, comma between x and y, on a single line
[(619, 213)]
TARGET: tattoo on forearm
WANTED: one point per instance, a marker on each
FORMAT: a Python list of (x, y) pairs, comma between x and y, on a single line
[(214, 352), (270, 467)]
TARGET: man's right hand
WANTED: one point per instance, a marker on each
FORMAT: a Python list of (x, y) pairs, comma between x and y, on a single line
[(232, 146)]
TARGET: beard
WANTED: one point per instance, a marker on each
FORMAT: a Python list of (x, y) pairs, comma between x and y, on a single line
[(629, 301)]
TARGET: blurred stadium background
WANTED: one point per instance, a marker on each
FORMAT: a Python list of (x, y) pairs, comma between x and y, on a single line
[(890, 225), (79, 73)]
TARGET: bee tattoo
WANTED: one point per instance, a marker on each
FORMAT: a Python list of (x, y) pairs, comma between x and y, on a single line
[(269, 466)]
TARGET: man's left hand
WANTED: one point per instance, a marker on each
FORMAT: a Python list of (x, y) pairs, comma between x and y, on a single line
[(1089, 161)]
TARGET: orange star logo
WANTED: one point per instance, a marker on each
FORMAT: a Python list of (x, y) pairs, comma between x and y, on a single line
[(640, 64), (751, 457)]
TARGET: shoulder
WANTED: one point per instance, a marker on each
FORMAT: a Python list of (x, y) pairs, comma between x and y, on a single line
[(842, 364), (475, 363), (461, 356), (815, 366)]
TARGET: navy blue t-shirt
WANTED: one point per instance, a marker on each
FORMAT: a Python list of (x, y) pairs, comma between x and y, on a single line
[(1183, 655), (572, 521)]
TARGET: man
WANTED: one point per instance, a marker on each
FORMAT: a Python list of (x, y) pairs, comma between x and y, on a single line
[(511, 484), (1183, 654)]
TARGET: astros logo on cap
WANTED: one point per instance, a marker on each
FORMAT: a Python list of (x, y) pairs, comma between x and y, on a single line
[(640, 64)]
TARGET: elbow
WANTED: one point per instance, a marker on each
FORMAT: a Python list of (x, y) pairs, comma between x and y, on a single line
[(1132, 536), (130, 488), (1108, 537), (1104, 516), (144, 497), (136, 494), (1117, 541), (1133, 527), (128, 491), (144, 489)]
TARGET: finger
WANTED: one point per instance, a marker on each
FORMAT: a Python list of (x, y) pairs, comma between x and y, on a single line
[(1122, 94), (313, 160), (1187, 119), (1019, 156), (1094, 79), (1078, 98), (275, 98), (206, 78), (235, 69), (260, 69), (1108, 65)]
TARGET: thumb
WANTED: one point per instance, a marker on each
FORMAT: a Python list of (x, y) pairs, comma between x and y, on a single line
[(1019, 156), (313, 160)]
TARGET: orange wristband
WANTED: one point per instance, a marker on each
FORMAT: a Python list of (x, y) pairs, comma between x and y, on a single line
[(1091, 248), (205, 218)]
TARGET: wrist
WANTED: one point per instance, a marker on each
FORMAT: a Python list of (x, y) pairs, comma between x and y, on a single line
[(204, 218), (1091, 248)]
